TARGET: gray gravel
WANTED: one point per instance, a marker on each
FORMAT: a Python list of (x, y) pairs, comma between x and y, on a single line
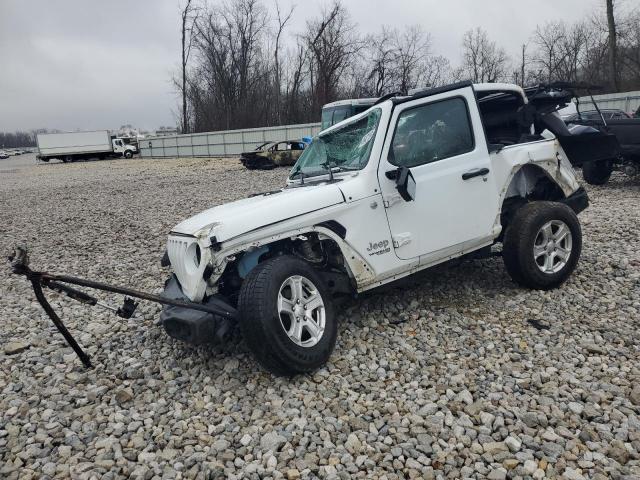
[(439, 377)]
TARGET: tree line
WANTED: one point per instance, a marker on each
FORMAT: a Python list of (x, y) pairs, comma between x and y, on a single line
[(242, 67), (17, 139)]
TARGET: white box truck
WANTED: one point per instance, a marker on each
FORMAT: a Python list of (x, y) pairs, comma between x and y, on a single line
[(72, 146)]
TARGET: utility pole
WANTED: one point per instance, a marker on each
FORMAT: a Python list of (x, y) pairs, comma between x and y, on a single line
[(613, 46), (522, 66)]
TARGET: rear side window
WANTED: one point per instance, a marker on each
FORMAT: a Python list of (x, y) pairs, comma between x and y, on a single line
[(432, 132), (327, 118), (340, 113)]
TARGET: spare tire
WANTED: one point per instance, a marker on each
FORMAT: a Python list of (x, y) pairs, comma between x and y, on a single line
[(597, 173)]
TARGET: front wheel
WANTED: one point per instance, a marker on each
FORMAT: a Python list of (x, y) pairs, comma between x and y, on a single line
[(597, 173), (542, 245), (128, 154), (286, 316)]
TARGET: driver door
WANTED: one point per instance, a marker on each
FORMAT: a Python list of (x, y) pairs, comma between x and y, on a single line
[(441, 140), (117, 146)]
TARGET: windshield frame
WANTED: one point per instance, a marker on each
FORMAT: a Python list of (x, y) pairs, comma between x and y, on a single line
[(295, 173)]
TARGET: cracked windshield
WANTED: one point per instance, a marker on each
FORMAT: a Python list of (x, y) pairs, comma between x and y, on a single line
[(346, 148)]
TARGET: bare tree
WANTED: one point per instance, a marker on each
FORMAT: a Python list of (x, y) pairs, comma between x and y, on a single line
[(378, 59), (483, 60), (243, 71), (19, 139), (277, 69), (572, 49), (232, 70), (437, 71), (400, 61), (630, 49), (547, 38), (333, 43), (296, 108), (412, 48), (188, 19), (613, 46)]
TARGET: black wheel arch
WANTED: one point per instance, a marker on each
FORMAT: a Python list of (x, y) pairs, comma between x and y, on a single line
[(530, 183)]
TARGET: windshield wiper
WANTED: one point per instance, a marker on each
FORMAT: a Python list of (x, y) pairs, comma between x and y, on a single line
[(297, 171), (329, 167)]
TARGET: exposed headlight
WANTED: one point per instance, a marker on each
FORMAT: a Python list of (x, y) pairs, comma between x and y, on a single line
[(192, 258), (198, 255)]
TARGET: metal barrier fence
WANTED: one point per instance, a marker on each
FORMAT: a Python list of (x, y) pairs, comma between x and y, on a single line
[(223, 143), (627, 101)]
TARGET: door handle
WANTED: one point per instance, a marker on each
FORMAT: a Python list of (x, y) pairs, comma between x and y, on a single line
[(480, 172)]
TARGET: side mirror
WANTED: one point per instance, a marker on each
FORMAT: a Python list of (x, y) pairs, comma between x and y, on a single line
[(406, 184)]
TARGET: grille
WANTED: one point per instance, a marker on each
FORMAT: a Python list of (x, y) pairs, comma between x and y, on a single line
[(177, 248)]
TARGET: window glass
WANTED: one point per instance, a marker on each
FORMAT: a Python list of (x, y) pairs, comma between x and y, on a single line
[(356, 109), (327, 116), (431, 132), (347, 148), (340, 113)]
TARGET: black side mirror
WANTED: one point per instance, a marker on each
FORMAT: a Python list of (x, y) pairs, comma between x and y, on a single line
[(406, 184)]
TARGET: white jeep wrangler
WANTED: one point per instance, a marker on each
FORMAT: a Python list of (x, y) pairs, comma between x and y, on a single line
[(410, 183)]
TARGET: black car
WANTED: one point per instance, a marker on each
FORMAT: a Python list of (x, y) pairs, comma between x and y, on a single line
[(627, 132)]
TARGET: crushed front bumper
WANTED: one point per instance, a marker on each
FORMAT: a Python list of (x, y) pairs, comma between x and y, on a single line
[(193, 326)]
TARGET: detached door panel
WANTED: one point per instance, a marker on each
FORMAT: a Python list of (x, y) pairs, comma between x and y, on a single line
[(441, 140)]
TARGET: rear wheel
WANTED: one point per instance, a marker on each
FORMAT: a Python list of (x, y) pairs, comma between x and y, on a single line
[(597, 173), (67, 159), (542, 245), (286, 316)]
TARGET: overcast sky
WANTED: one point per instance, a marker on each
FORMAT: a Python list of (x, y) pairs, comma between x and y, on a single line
[(90, 64)]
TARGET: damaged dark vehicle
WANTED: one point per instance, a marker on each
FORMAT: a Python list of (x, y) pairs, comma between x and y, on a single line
[(624, 156), (273, 154)]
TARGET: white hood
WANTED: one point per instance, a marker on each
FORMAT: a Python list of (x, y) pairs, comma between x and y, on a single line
[(235, 218)]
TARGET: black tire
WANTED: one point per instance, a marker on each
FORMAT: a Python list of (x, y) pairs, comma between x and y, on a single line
[(261, 325), (128, 154), (597, 173), (520, 239), (67, 159)]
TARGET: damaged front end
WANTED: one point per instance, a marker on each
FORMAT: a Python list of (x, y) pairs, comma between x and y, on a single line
[(195, 327)]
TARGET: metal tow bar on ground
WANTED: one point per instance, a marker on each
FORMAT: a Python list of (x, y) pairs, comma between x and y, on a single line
[(60, 283)]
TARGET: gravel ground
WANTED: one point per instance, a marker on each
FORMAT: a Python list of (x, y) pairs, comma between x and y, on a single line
[(442, 376)]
